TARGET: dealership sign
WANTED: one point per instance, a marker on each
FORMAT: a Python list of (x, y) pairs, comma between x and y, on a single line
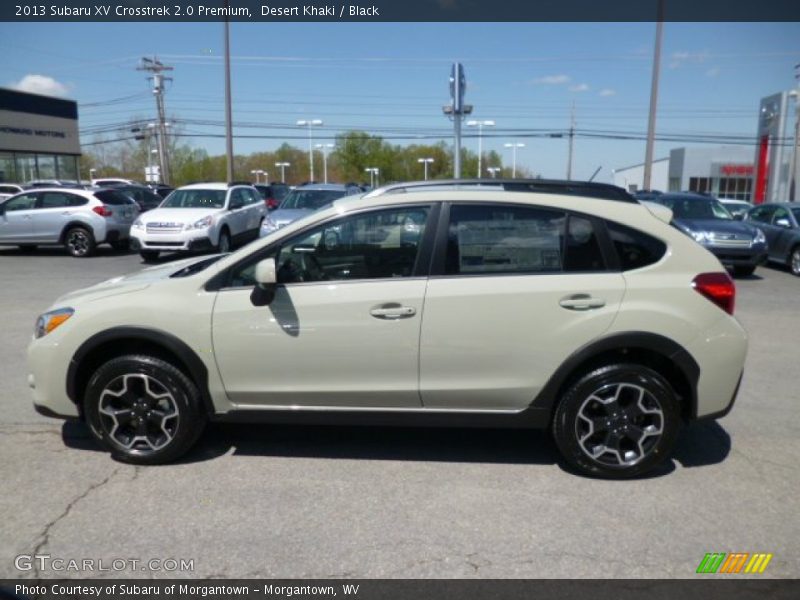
[(34, 123)]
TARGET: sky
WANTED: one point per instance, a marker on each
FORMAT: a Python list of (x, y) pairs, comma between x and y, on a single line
[(391, 79)]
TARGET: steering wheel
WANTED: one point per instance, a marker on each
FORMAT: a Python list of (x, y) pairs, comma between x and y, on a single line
[(311, 268)]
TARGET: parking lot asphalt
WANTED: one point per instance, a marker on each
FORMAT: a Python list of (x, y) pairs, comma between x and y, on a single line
[(289, 501)]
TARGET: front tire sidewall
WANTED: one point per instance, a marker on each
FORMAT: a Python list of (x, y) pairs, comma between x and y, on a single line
[(191, 416), (567, 413), (224, 243), (794, 261)]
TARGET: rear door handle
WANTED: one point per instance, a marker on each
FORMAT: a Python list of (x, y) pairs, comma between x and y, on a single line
[(581, 302), (392, 311)]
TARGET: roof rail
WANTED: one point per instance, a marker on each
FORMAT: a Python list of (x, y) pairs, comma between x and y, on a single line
[(604, 191)]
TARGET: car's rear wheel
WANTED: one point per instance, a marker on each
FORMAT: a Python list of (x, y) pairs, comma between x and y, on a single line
[(617, 421), (143, 409), (79, 242), (794, 261), (149, 255), (743, 271)]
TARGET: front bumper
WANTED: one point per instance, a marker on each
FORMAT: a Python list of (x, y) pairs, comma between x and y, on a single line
[(186, 241), (740, 257)]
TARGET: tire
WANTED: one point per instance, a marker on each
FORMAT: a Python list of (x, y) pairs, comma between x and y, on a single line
[(79, 242), (627, 400), (743, 271), (121, 245), (28, 247), (224, 242), (143, 409), (149, 255), (794, 261)]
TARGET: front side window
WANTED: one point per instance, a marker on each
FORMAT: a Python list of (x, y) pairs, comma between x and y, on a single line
[(24, 202), (376, 245), (493, 239), (762, 214)]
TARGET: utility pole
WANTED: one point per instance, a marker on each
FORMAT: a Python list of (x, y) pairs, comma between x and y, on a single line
[(456, 111), (651, 120), (571, 137), (157, 68), (794, 192), (228, 109)]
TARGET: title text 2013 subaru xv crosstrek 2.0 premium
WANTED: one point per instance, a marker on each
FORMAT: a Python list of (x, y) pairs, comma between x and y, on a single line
[(548, 304)]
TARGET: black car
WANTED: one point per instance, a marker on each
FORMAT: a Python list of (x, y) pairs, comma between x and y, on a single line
[(736, 244), (780, 222), (273, 193), (161, 189), (142, 195)]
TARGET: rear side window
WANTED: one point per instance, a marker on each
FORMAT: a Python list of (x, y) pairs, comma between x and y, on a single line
[(113, 198), (582, 251), (634, 248), (60, 200), (492, 239)]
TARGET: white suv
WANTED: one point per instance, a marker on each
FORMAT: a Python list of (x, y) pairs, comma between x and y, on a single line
[(570, 307), (200, 217)]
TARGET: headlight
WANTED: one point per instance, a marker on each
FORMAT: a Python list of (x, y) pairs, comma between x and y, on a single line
[(268, 226), (203, 223), (760, 237), (137, 224), (699, 236), (50, 320)]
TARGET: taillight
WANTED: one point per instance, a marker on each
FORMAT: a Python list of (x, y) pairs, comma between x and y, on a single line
[(717, 287), (102, 210), (271, 203)]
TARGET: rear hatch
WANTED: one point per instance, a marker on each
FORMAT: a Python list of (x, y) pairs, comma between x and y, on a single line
[(122, 207)]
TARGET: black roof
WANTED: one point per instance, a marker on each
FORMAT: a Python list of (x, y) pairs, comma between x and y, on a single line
[(590, 189)]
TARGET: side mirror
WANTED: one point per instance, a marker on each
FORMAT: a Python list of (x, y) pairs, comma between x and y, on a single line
[(266, 281), (784, 222)]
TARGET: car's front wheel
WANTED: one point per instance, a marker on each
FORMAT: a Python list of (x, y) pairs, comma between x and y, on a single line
[(794, 261), (224, 244), (617, 421), (143, 409)]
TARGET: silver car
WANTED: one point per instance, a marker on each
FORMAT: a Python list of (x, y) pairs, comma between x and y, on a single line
[(302, 201), (75, 219)]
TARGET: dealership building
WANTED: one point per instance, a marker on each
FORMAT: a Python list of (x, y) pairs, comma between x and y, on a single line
[(38, 137)]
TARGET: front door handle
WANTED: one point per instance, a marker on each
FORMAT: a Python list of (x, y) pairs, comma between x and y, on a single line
[(392, 311), (581, 302)]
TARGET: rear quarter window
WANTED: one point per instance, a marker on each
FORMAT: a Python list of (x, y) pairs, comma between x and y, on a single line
[(634, 248)]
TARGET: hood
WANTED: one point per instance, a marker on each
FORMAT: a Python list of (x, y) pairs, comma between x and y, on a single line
[(125, 284), (284, 216), (717, 226), (177, 215)]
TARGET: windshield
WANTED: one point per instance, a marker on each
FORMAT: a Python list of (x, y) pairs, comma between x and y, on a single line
[(195, 199), (696, 208), (310, 199)]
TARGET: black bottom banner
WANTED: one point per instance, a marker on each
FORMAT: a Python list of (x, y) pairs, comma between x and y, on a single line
[(401, 589)]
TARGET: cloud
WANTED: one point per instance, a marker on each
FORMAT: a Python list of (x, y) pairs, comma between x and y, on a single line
[(553, 80), (581, 87), (41, 84), (607, 92)]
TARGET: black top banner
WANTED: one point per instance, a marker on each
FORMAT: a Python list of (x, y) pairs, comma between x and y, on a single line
[(275, 11)]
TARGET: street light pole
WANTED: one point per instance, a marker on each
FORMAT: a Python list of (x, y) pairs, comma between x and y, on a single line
[(310, 123), (493, 171), (425, 162), (255, 172), (228, 109), (651, 120), (283, 166), (480, 125), (514, 147), (324, 148)]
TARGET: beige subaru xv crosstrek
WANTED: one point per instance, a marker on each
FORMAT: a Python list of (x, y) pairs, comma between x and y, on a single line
[(567, 306)]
